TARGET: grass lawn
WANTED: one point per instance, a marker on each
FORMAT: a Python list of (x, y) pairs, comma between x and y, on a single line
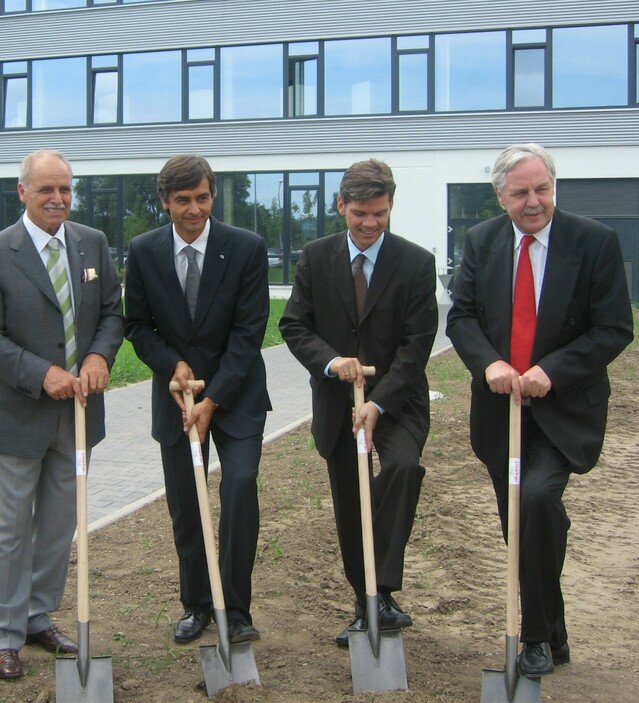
[(129, 369)]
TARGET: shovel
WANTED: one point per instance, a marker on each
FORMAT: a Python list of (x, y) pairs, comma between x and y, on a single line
[(225, 664), (377, 658), (507, 686), (85, 679)]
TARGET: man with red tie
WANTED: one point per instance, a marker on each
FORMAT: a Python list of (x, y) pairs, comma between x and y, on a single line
[(541, 309)]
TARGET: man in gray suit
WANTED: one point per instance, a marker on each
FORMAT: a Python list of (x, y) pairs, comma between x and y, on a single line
[(59, 334)]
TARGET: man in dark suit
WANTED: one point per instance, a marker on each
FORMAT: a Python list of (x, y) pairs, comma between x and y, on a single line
[(214, 334), (393, 330), (57, 341), (583, 321)]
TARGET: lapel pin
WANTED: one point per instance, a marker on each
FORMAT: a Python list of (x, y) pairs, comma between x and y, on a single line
[(221, 256)]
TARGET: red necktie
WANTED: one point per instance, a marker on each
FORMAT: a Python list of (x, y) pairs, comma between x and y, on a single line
[(524, 319)]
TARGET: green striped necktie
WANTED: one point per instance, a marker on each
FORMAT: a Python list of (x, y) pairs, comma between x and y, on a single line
[(58, 274)]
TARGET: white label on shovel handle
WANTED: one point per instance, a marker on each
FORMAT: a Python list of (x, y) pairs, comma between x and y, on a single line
[(362, 448), (514, 471), (80, 462), (196, 454)]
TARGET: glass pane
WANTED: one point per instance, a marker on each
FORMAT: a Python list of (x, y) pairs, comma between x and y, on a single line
[(333, 221), (200, 55), (307, 48), (303, 218), (11, 208), (152, 87), (56, 4), (590, 66), (15, 5), (357, 76), (415, 42), (307, 178), (105, 211), (637, 73), (105, 97), (11, 68), (529, 36), (302, 87), (529, 77), (59, 89), (110, 61), (15, 102), (413, 81), (251, 81), (470, 71), (142, 208), (201, 98)]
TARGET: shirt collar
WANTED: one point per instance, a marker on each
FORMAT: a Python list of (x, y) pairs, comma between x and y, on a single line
[(199, 244), (543, 236), (370, 253), (40, 237)]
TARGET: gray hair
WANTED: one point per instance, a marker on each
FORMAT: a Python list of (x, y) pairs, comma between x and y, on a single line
[(512, 155), (27, 163)]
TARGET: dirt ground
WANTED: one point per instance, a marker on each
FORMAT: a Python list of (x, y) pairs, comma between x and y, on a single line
[(454, 580)]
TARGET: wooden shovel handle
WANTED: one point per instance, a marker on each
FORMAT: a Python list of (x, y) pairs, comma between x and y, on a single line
[(201, 486), (82, 531), (365, 494), (514, 490)]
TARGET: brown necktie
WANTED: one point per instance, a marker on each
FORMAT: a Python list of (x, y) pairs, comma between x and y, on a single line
[(361, 285), (524, 321)]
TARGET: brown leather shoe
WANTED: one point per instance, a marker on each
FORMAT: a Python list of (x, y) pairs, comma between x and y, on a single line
[(53, 640), (10, 664)]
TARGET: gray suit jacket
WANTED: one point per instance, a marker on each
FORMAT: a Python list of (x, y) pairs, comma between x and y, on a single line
[(32, 335)]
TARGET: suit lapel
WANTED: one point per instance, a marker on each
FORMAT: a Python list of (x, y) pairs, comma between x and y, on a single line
[(165, 263), (76, 257), (27, 259), (496, 271), (562, 269), (215, 262), (343, 276), (385, 267)]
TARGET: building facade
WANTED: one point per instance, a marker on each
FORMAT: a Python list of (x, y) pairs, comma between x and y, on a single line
[(282, 97)]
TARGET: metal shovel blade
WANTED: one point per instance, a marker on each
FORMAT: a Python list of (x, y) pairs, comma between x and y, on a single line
[(241, 669), (386, 672), (494, 688), (98, 687)]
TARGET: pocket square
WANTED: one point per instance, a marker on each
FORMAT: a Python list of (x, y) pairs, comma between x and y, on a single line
[(89, 275)]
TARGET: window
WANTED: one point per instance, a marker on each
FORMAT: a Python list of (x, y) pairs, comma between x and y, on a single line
[(104, 95), (357, 76), (152, 87), (56, 4), (529, 68), (302, 79), (590, 66), (636, 52), (15, 84), (412, 59), (251, 81), (59, 92), (470, 71), (15, 5), (201, 84)]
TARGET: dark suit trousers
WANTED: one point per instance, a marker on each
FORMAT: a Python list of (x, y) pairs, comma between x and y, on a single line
[(394, 493), (543, 533), (238, 525)]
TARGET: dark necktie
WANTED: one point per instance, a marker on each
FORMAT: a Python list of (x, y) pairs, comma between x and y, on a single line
[(192, 280), (524, 320), (361, 285)]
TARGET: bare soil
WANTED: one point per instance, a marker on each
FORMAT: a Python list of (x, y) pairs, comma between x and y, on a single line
[(454, 580)]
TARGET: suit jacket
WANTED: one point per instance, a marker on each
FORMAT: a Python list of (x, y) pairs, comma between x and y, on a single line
[(222, 344), (395, 335), (584, 321), (32, 334)]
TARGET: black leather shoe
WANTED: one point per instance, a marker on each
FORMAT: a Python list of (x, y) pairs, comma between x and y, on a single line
[(10, 664), (391, 616), (560, 655), (53, 640), (535, 659), (355, 625), (242, 631), (190, 626)]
